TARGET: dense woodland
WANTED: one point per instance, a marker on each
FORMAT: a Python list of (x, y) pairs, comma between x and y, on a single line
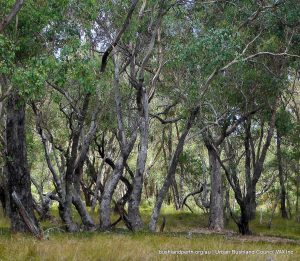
[(110, 105)]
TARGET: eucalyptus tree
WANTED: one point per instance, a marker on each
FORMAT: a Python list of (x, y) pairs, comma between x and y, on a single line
[(75, 93), (296, 159), (21, 42), (204, 50), (283, 127), (132, 56)]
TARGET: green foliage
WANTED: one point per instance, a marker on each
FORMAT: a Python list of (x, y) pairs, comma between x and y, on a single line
[(30, 80), (7, 55), (271, 44), (283, 123)]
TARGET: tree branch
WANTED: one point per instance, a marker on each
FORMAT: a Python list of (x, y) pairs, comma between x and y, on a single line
[(16, 8), (119, 35)]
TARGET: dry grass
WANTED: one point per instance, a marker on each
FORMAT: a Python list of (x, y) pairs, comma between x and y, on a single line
[(140, 246), (122, 245)]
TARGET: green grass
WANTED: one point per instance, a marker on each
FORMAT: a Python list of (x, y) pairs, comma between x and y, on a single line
[(286, 228), (123, 245)]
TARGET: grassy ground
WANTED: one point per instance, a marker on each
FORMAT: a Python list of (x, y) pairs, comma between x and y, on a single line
[(122, 245)]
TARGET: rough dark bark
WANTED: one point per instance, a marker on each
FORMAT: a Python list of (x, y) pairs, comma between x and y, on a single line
[(183, 203), (247, 201), (19, 181), (283, 210), (245, 218), (5, 199), (118, 36)]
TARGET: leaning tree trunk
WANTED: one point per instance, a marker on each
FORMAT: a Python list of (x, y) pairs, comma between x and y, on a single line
[(78, 203), (216, 213), (176, 198), (18, 173), (171, 170), (109, 189), (126, 148), (284, 213)]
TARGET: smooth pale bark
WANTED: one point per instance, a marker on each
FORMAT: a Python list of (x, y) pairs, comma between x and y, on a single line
[(171, 170), (143, 108), (112, 182), (110, 186), (67, 184), (79, 203), (19, 181), (77, 174), (64, 213), (126, 146), (98, 184), (216, 213), (135, 197)]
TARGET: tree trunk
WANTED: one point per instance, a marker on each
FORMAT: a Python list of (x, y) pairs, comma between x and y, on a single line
[(65, 208), (253, 204), (18, 173), (110, 185), (78, 203), (283, 210), (227, 207), (216, 213), (243, 225), (135, 197), (126, 146), (171, 170), (297, 193), (251, 190), (6, 198), (175, 194)]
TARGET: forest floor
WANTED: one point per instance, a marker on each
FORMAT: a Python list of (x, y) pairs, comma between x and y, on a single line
[(184, 232)]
